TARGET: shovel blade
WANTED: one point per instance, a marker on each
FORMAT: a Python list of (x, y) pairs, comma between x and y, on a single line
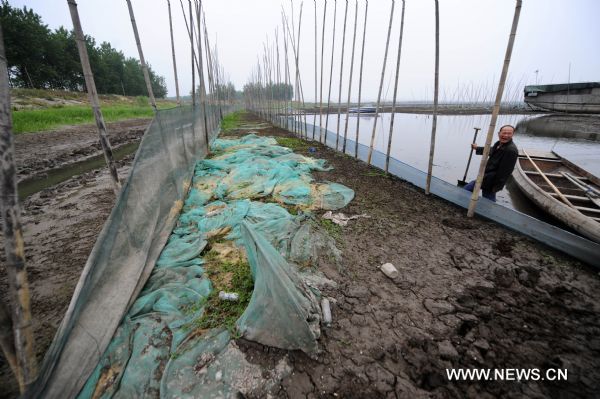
[(461, 183)]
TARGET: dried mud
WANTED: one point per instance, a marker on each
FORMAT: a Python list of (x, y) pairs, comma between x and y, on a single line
[(470, 294)]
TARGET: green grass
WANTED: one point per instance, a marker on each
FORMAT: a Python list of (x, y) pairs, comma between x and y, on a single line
[(292, 143), (37, 120), (229, 277), (334, 230), (233, 120)]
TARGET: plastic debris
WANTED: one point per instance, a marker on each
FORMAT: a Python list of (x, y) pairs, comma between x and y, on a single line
[(389, 270), (340, 218), (229, 296), (326, 309)]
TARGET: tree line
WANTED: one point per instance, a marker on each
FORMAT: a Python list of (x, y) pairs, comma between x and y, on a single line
[(44, 59), (278, 91)]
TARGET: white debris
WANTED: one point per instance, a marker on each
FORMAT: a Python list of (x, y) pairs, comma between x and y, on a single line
[(218, 375), (340, 218), (229, 296), (326, 309), (389, 270)]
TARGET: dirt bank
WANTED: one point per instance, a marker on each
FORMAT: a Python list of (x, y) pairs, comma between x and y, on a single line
[(36, 153), (60, 224), (470, 294)]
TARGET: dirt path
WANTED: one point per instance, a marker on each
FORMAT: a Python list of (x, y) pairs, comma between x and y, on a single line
[(470, 294)]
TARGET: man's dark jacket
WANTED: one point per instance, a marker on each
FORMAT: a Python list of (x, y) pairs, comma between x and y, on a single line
[(500, 165)]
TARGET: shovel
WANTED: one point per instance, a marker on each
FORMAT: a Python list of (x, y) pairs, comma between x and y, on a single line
[(463, 182)]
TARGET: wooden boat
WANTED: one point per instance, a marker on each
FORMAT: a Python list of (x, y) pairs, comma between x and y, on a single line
[(363, 110), (566, 97), (561, 188)]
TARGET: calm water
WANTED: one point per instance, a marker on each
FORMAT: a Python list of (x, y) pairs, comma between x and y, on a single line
[(411, 140)]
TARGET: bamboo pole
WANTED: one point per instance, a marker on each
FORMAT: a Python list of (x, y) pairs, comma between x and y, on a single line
[(173, 53), (191, 33), (142, 60), (321, 80), (7, 344), (391, 132), (201, 77), (93, 96), (337, 131), (495, 111), (387, 45), (18, 286), (287, 69), (360, 75), (316, 71), (331, 69), (435, 98), (350, 79)]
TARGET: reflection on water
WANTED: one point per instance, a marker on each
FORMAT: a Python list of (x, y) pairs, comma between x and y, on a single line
[(411, 140)]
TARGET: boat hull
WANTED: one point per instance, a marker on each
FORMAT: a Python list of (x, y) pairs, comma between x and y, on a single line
[(530, 183), (572, 98)]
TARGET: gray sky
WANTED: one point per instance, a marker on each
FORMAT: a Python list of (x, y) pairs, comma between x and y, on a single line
[(552, 35)]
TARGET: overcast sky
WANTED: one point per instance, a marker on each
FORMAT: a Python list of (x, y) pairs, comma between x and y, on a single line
[(552, 35)]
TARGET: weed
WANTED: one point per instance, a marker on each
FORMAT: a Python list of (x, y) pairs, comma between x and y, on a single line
[(231, 276), (334, 230), (379, 173), (233, 120), (292, 143)]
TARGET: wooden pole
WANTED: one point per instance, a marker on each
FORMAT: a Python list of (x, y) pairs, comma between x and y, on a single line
[(331, 69), (142, 60), (360, 75), (191, 33), (7, 344), (316, 71), (337, 131), (495, 111), (391, 132), (350, 79), (201, 77), (435, 98), (173, 53), (288, 77), (387, 45), (552, 186), (93, 96), (321, 79), (23, 352)]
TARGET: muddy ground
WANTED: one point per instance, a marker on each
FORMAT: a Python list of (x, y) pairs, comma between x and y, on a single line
[(470, 294), (60, 224)]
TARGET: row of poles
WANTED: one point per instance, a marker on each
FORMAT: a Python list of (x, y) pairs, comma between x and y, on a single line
[(271, 71), (16, 330)]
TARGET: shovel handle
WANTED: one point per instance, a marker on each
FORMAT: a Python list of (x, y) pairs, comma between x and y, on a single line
[(471, 153)]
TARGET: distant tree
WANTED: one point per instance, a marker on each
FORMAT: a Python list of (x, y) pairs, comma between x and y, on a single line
[(40, 58)]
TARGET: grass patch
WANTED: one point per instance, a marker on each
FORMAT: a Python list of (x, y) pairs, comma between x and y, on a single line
[(37, 120), (233, 120), (230, 274), (334, 230), (376, 173), (292, 143)]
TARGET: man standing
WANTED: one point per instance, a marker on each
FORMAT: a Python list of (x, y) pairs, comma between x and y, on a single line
[(502, 160)]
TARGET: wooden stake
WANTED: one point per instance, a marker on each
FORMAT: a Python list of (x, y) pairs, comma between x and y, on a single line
[(331, 69), (173, 52), (360, 75), (435, 98), (93, 96), (142, 60), (391, 132), (316, 71), (23, 352), (191, 33), (337, 136), (350, 79), (201, 77), (321, 80), (387, 45), (495, 111)]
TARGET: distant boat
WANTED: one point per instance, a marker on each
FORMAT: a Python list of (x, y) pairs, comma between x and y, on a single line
[(565, 97), (363, 110), (577, 205)]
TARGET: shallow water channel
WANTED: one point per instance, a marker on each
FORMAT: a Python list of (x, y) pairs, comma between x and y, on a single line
[(411, 141)]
